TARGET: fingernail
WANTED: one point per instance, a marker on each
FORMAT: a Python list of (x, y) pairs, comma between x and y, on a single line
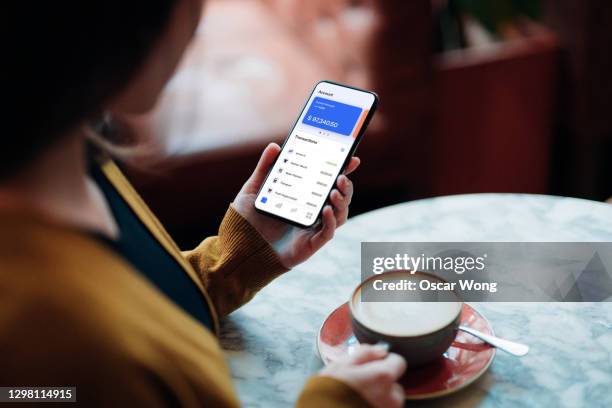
[(383, 345)]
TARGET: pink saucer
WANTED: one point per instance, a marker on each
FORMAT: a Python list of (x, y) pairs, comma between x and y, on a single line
[(463, 363)]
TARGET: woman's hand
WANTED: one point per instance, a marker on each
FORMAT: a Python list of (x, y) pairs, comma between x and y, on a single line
[(373, 372), (294, 245)]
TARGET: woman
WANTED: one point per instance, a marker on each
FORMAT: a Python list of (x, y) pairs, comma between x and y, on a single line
[(94, 292)]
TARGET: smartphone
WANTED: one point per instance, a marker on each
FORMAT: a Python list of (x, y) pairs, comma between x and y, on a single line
[(315, 153)]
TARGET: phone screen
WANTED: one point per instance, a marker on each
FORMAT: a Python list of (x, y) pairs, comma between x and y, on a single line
[(315, 153)]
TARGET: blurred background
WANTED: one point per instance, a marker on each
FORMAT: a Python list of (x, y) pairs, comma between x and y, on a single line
[(475, 96)]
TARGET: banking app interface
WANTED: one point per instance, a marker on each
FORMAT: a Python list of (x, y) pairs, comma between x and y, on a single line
[(312, 157)]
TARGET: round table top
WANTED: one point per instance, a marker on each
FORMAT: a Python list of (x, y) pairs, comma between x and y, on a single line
[(270, 342)]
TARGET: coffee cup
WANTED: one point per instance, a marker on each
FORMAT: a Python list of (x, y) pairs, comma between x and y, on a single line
[(418, 324)]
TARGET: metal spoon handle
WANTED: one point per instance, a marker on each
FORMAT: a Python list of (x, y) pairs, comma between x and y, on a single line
[(508, 346)]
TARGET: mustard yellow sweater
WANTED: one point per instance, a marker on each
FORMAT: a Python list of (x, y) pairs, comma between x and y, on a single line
[(73, 313)]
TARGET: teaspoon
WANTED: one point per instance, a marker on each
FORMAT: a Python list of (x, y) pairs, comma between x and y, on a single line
[(516, 349)]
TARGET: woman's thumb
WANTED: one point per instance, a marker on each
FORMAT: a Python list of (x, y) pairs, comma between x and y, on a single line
[(263, 166)]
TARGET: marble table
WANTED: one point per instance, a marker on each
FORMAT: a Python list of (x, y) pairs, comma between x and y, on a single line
[(270, 342)]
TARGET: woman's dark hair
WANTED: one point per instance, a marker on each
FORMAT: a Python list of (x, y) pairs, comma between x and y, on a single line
[(65, 60)]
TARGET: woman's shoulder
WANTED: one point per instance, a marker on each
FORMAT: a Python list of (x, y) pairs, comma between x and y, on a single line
[(45, 260), (75, 313), (52, 327), (68, 273), (55, 280)]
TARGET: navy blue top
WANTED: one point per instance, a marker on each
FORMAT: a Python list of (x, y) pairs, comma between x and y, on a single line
[(139, 247)]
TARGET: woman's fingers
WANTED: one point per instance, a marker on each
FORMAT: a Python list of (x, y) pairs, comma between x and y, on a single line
[(328, 227), (392, 367), (373, 372), (398, 395), (352, 166), (345, 186), (341, 198), (366, 352), (340, 207)]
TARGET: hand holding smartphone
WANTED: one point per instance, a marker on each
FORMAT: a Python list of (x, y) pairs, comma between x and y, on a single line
[(316, 151)]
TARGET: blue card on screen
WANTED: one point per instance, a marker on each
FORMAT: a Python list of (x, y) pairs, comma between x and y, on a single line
[(332, 115)]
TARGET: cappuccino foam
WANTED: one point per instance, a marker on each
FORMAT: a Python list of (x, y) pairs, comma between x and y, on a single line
[(405, 318)]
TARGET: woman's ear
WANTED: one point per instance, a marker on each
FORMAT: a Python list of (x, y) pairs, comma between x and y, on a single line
[(142, 92)]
